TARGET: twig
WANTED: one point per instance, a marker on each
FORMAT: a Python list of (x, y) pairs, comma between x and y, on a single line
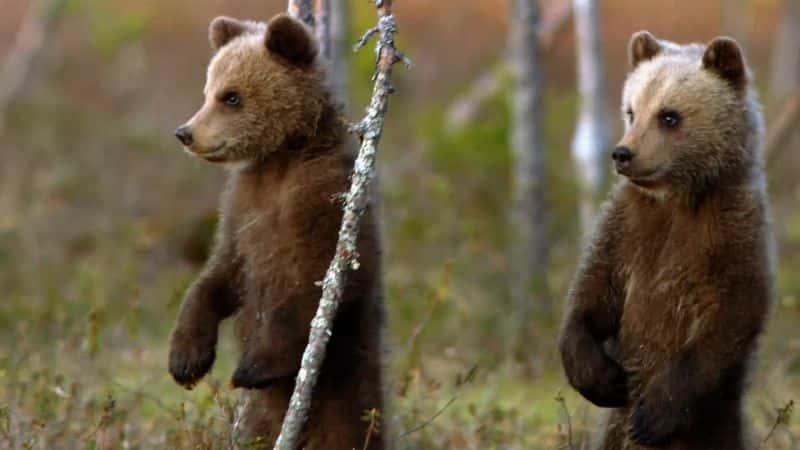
[(429, 421), (784, 416), (345, 258), (374, 418), (560, 399)]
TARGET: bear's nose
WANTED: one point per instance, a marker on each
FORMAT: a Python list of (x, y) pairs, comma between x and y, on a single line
[(184, 134), (622, 156)]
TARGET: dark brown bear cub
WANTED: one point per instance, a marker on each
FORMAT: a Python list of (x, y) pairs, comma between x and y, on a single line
[(674, 288), (270, 118)]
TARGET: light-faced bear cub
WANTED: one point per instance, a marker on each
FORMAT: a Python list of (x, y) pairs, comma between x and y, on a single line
[(675, 285)]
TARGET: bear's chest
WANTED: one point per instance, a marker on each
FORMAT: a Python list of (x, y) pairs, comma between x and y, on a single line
[(266, 237), (663, 272)]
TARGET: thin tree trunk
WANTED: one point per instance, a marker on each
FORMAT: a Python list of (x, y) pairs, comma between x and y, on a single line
[(356, 201), (785, 66), (322, 26), (529, 243), (591, 140), (37, 27), (303, 10), (340, 49)]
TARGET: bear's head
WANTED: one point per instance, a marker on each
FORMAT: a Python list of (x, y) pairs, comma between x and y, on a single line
[(264, 90), (689, 116)]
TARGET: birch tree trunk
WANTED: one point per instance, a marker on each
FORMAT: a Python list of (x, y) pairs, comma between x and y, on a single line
[(331, 27), (303, 10), (340, 49), (785, 66), (591, 140), (370, 128), (36, 30), (322, 26), (529, 246)]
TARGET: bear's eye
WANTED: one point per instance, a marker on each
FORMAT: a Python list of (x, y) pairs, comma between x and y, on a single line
[(629, 115), (669, 118), (231, 98)]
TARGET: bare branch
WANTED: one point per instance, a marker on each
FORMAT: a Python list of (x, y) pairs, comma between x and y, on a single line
[(344, 259), (303, 10), (38, 25)]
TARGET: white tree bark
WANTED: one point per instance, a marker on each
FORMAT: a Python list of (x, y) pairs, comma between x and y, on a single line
[(370, 128), (591, 140), (303, 10), (529, 243), (322, 26), (785, 66)]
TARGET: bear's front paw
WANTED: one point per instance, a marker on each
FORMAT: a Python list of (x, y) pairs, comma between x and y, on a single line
[(191, 356), (606, 384), (260, 370)]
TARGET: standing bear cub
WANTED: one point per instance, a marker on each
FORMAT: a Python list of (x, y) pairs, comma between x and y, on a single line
[(269, 116), (674, 288)]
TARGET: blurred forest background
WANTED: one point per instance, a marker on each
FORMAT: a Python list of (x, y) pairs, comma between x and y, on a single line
[(104, 221)]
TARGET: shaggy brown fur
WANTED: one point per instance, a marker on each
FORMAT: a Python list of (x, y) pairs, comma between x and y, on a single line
[(269, 116), (672, 292)]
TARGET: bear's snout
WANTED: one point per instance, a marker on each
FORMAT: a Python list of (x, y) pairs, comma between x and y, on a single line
[(622, 157), (184, 134)]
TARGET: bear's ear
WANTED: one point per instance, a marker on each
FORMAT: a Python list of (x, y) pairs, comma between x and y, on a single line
[(643, 47), (223, 29), (724, 57), (291, 40)]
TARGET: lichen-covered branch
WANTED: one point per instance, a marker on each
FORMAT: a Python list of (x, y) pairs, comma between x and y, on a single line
[(345, 258), (303, 10)]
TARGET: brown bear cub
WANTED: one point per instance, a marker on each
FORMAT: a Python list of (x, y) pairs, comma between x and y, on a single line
[(270, 117), (674, 288)]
